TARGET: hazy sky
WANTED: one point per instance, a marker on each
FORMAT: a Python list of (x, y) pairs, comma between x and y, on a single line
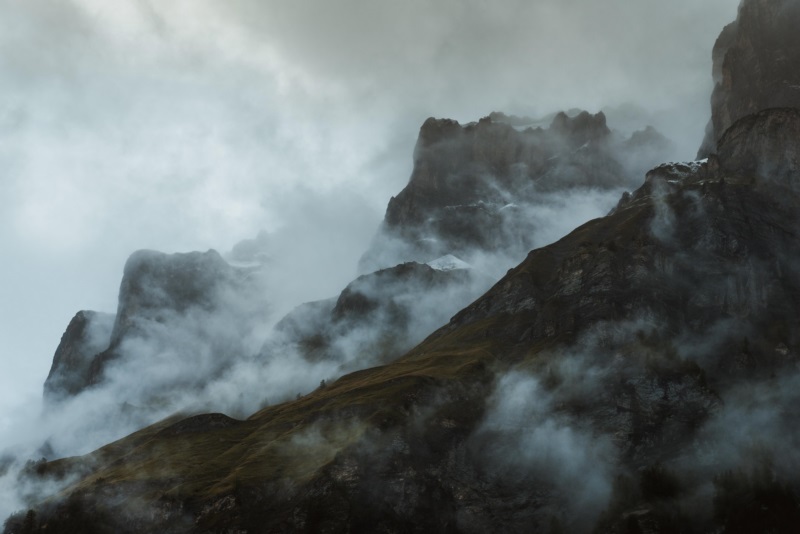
[(193, 124)]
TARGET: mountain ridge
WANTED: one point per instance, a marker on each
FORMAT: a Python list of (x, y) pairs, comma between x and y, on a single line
[(657, 397)]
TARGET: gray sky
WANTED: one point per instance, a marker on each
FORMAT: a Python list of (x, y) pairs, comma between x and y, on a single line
[(194, 124)]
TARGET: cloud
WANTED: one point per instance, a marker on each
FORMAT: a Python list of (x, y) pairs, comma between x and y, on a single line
[(528, 440)]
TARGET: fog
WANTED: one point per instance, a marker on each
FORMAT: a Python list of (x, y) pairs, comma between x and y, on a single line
[(197, 124)]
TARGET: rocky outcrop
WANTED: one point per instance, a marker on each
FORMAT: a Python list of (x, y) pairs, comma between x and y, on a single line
[(87, 334), (379, 316), (157, 294), (472, 186), (756, 65)]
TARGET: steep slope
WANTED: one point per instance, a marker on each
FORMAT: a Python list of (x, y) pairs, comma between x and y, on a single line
[(618, 379), (755, 65)]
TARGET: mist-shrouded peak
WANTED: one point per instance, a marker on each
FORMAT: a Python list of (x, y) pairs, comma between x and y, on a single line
[(178, 315), (153, 281), (87, 334), (488, 188), (434, 130)]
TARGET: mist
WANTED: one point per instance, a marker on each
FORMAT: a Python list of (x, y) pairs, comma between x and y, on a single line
[(196, 125)]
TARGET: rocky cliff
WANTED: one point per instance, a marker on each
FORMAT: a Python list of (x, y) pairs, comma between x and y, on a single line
[(755, 65)]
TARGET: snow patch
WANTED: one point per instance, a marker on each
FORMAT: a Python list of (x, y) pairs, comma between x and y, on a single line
[(448, 263), (244, 264)]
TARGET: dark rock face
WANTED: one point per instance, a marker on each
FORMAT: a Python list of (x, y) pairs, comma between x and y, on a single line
[(766, 145), (472, 186), (756, 61), (88, 334)]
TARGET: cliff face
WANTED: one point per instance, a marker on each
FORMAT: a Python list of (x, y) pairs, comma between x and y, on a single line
[(755, 65), (582, 392), (766, 144), (473, 187)]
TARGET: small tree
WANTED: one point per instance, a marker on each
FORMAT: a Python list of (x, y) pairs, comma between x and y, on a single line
[(29, 524)]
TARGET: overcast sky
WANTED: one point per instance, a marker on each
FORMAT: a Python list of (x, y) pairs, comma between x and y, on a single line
[(193, 124)]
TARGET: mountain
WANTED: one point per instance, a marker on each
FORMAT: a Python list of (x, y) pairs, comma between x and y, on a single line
[(474, 187), (639, 374), (581, 391), (755, 65)]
